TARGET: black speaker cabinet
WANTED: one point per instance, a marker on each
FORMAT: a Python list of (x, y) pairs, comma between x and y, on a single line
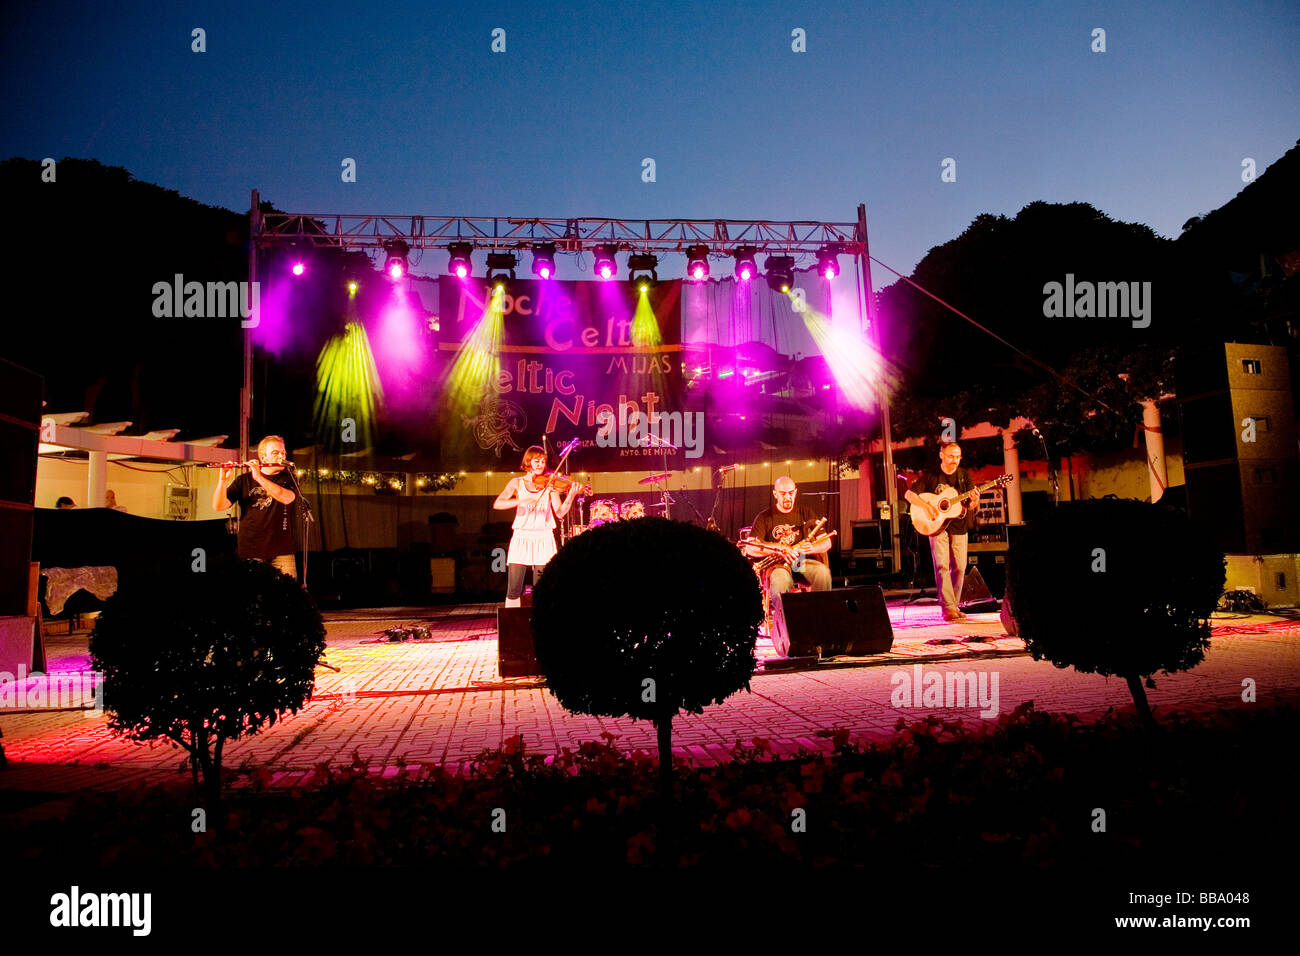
[(822, 623), (515, 656)]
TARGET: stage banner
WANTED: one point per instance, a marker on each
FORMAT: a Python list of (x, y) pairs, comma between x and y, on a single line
[(598, 362)]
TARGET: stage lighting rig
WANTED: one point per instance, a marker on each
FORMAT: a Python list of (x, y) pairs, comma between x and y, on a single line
[(544, 260), (697, 262), (828, 263), (396, 251), (746, 267), (459, 263), (606, 264), (780, 273), (500, 264), (640, 263)]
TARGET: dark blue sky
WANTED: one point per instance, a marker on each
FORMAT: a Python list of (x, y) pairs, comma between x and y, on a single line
[(1153, 130)]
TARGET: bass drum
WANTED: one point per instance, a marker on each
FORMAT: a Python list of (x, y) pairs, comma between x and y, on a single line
[(603, 511), (631, 509)]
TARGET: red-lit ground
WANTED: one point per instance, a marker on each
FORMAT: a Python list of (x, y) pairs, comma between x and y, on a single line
[(443, 701)]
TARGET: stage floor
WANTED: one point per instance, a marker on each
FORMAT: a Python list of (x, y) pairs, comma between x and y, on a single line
[(442, 700)]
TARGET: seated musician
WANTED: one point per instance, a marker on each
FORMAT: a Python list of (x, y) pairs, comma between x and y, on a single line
[(787, 526)]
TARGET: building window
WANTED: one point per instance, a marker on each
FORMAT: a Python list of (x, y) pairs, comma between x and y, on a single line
[(1265, 476), (1250, 366), (1280, 582)]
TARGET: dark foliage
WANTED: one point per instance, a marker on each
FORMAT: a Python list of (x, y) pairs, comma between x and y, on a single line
[(1115, 587), (937, 794), (199, 658), (647, 600), (650, 598)]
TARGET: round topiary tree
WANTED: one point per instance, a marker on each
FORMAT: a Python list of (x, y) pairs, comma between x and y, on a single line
[(644, 618), (203, 657), (1115, 587)]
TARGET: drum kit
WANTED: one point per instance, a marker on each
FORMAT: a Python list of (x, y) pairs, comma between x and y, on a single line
[(608, 510)]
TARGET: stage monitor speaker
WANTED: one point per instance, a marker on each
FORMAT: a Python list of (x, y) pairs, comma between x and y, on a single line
[(849, 621), (975, 594), (515, 655)]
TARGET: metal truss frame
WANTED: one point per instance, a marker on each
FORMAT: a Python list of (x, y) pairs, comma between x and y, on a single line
[(722, 236)]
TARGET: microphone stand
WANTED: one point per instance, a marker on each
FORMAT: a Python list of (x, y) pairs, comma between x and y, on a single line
[(307, 519), (720, 487), (690, 501), (1052, 473), (665, 498)]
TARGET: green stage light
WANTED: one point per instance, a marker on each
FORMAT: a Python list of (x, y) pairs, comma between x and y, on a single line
[(347, 386)]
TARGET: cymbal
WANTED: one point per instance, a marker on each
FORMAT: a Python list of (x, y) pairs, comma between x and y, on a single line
[(659, 504), (655, 479)]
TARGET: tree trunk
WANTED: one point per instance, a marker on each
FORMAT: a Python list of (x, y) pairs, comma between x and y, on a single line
[(1140, 700), (664, 726), (667, 848)]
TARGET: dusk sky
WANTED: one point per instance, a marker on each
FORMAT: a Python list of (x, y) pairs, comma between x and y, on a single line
[(1153, 130)]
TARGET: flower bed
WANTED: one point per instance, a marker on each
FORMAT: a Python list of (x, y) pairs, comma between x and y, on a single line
[(937, 794)]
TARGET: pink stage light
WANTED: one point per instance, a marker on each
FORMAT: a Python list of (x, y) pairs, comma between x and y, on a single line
[(299, 268), (544, 272), (606, 272), (461, 271), (745, 274), (395, 271), (697, 273), (830, 271)]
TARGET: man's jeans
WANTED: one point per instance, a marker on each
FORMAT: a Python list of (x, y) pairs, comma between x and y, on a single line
[(814, 572), (948, 552)]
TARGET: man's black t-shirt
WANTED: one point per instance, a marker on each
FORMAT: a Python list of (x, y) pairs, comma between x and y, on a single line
[(930, 480), (265, 525), (788, 529)]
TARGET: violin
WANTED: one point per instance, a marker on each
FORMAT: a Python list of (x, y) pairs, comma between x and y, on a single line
[(561, 483)]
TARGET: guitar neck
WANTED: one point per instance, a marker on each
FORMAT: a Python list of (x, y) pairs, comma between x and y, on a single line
[(980, 489)]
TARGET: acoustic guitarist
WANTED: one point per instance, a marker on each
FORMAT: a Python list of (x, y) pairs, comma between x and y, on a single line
[(948, 544)]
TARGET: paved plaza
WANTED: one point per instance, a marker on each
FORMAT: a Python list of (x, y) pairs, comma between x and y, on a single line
[(442, 701)]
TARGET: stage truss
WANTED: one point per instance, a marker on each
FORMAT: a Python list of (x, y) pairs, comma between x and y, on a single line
[(722, 236)]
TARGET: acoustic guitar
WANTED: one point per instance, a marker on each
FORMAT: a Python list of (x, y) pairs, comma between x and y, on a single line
[(950, 503)]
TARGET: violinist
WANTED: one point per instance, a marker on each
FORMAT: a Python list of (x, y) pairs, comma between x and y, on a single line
[(539, 507)]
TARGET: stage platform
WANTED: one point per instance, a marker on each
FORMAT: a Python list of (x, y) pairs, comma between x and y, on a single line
[(442, 701)]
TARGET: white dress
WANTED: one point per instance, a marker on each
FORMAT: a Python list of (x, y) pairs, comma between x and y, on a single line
[(534, 540)]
